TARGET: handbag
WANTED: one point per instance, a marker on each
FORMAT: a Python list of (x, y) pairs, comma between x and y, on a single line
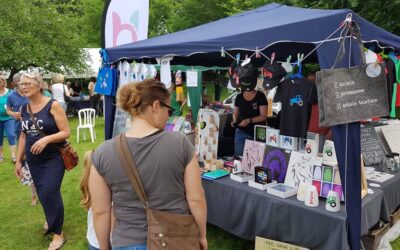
[(106, 83), (165, 230), (351, 94), (68, 154)]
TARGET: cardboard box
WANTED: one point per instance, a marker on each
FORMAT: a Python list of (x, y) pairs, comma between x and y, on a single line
[(259, 186), (281, 190), (394, 217), (242, 177), (373, 238)]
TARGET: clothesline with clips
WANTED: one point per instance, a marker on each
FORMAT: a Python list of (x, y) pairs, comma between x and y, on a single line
[(300, 57)]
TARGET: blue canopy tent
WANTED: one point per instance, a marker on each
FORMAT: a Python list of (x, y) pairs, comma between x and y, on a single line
[(287, 31)]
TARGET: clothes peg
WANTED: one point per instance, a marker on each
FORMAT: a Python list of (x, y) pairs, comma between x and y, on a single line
[(272, 57), (287, 65), (237, 58), (257, 53)]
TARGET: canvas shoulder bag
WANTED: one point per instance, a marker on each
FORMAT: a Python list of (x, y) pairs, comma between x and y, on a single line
[(68, 154), (351, 94), (165, 230)]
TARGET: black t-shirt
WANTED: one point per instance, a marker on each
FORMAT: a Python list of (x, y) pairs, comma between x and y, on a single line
[(77, 90), (297, 97), (250, 109)]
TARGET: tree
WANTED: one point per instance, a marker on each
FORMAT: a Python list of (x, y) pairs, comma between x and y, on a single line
[(34, 33), (91, 22), (190, 13), (382, 13)]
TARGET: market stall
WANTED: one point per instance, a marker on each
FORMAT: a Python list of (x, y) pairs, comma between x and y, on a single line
[(287, 31)]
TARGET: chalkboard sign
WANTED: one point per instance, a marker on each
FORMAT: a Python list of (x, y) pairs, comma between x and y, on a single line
[(352, 94), (371, 147)]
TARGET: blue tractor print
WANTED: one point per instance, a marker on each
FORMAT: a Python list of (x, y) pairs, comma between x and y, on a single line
[(287, 141), (296, 100)]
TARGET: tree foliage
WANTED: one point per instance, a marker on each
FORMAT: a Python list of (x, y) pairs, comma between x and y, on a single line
[(176, 15), (38, 33)]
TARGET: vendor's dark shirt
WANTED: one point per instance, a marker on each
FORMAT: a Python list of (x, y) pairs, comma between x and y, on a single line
[(250, 109), (297, 97), (76, 89)]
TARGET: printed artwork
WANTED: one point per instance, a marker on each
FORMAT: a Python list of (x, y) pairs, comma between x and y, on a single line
[(297, 100), (253, 155), (207, 134), (327, 178), (329, 153), (276, 159), (260, 133), (288, 142), (300, 169), (273, 137)]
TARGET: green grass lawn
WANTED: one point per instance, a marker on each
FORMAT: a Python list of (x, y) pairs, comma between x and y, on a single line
[(21, 224)]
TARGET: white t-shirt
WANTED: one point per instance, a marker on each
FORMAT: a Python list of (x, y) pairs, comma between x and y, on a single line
[(165, 71), (124, 73), (91, 234), (58, 92)]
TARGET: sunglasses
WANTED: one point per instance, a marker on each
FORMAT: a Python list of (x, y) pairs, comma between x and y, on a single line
[(171, 110), (25, 84)]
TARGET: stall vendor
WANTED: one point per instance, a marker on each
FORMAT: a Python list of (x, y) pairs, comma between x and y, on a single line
[(250, 106)]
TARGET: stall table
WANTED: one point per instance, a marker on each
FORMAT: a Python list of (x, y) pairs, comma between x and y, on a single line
[(247, 212), (391, 191), (76, 105)]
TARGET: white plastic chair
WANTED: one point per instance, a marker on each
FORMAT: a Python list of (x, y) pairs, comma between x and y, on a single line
[(87, 119)]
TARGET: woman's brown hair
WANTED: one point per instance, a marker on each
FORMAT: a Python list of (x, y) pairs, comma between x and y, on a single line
[(134, 98), (86, 201)]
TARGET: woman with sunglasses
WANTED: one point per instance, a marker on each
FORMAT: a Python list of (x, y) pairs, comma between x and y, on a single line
[(166, 163)]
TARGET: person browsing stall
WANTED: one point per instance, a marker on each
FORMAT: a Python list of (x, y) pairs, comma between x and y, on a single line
[(250, 106), (59, 90), (170, 175)]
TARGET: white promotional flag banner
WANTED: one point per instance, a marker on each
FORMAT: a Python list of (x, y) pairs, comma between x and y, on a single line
[(126, 22)]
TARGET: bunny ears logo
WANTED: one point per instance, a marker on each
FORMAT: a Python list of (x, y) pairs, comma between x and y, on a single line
[(124, 23)]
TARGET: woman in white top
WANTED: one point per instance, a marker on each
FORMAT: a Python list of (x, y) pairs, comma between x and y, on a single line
[(58, 88)]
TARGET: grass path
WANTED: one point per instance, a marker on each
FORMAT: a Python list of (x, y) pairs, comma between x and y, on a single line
[(21, 224)]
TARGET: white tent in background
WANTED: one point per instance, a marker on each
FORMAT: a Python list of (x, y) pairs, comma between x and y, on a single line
[(93, 63)]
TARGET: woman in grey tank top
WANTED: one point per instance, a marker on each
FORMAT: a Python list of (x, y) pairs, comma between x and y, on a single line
[(165, 161)]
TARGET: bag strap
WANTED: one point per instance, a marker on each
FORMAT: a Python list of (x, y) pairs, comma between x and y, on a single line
[(104, 56), (351, 29), (33, 119), (38, 128), (130, 169)]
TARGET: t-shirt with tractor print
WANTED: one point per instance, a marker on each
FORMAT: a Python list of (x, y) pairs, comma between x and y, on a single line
[(297, 96)]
